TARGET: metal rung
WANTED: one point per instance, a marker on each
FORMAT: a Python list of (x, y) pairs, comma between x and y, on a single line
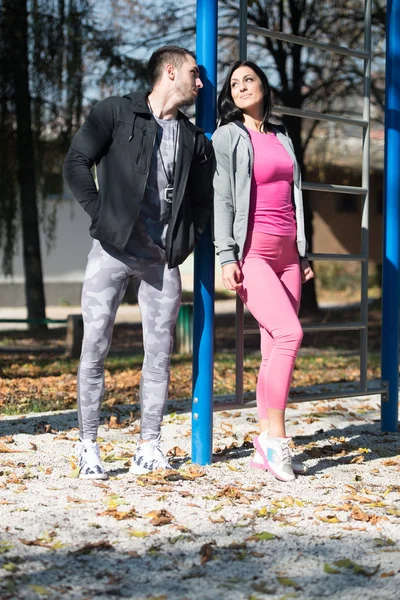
[(344, 393), (313, 114), (250, 402), (296, 39), (338, 257), (332, 187), (333, 395), (355, 326), (37, 321)]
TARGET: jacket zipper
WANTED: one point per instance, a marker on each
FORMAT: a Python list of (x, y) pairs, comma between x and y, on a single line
[(139, 154), (144, 182), (171, 226), (250, 170)]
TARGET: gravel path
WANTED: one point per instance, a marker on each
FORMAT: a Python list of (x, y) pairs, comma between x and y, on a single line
[(223, 531)]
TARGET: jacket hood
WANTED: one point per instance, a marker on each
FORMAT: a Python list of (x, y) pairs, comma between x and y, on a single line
[(138, 101)]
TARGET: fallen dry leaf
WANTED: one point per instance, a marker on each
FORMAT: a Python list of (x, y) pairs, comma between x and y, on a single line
[(234, 493), (329, 519), (249, 437), (139, 534), (136, 430), (113, 422), (37, 542), (101, 485), (39, 589), (262, 537), (392, 462), (359, 515), (287, 582), (106, 447), (119, 515), (13, 478), (4, 448), (87, 548), (220, 519), (7, 439), (79, 500), (112, 401), (176, 451), (195, 471), (358, 498), (206, 553), (160, 517), (8, 463)]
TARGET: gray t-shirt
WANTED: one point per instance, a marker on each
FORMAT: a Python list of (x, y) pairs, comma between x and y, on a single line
[(148, 237)]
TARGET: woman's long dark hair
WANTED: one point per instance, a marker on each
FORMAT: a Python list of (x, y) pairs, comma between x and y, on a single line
[(227, 109)]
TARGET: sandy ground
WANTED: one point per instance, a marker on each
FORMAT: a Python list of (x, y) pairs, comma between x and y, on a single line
[(223, 531)]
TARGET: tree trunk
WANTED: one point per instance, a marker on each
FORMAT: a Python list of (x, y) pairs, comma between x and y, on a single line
[(34, 291), (309, 303)]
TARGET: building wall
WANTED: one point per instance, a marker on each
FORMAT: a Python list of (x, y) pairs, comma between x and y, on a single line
[(337, 218), (63, 264)]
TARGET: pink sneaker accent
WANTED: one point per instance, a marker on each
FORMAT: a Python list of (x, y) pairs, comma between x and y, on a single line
[(257, 461)]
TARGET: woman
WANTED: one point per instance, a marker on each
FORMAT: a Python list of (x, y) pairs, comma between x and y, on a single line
[(259, 236)]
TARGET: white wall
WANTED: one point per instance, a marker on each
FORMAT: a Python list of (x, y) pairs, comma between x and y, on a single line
[(65, 263), (67, 258)]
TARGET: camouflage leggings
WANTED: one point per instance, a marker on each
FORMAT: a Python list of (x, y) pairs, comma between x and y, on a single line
[(159, 295)]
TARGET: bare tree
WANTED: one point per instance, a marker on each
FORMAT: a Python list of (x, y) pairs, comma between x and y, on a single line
[(15, 13), (49, 51)]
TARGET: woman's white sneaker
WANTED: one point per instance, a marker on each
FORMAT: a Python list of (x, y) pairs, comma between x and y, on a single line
[(276, 453), (257, 462), (89, 462), (148, 457)]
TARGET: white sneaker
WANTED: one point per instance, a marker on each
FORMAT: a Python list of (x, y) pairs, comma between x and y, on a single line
[(276, 453), (148, 457), (90, 465), (257, 462)]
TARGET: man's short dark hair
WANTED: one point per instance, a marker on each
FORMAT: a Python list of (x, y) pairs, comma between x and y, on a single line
[(174, 55)]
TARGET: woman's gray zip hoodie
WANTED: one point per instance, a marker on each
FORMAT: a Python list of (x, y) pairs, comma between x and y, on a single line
[(232, 182)]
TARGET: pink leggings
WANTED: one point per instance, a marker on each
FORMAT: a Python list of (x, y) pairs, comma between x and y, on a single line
[(271, 291)]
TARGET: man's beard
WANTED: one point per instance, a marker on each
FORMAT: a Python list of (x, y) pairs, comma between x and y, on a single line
[(188, 99)]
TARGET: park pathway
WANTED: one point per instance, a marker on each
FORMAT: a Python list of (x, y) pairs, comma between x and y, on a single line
[(217, 532)]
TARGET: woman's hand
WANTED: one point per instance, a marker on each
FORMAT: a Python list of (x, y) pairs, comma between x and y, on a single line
[(232, 276), (306, 271)]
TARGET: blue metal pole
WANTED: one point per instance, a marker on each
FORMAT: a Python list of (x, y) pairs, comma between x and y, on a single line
[(391, 239), (203, 320)]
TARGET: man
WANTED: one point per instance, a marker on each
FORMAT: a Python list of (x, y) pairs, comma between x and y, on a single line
[(154, 196)]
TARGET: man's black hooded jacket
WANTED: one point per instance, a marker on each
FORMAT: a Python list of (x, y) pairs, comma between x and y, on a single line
[(118, 136)]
